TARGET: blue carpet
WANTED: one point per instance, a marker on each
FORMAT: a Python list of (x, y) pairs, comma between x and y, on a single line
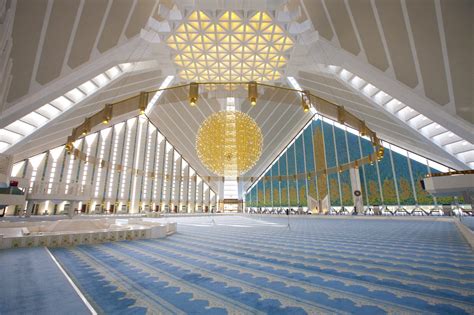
[(469, 222), (31, 283), (245, 265)]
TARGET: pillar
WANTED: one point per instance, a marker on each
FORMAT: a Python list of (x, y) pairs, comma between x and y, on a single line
[(356, 187)]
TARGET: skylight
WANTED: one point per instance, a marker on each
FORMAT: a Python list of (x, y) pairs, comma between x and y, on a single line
[(157, 95), (439, 135), (230, 48), (28, 124), (294, 84)]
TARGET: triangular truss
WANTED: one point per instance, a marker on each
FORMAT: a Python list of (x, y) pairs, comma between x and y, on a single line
[(129, 166), (230, 48)]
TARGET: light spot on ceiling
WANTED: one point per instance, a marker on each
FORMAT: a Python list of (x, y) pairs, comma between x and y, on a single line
[(230, 48)]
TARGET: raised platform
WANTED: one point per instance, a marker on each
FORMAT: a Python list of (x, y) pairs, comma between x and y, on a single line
[(72, 232)]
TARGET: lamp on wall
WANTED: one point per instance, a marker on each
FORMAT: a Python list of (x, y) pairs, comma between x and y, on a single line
[(69, 146), (193, 93)]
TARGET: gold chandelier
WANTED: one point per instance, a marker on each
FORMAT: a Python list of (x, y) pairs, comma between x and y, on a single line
[(229, 143), (246, 148)]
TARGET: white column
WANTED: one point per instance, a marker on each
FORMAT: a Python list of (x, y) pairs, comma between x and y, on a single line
[(356, 186)]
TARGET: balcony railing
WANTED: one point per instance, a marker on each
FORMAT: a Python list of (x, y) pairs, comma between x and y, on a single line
[(56, 190)]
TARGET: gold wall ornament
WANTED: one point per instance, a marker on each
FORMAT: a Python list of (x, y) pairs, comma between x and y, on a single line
[(229, 143)]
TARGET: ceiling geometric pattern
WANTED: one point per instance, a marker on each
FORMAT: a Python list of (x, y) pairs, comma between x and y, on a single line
[(382, 42), (230, 48)]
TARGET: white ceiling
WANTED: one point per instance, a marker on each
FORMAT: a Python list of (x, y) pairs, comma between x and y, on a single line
[(57, 47)]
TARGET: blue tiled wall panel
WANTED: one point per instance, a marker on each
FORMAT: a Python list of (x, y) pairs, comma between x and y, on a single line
[(381, 182)]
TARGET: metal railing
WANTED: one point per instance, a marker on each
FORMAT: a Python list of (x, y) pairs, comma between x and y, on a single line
[(57, 188), (465, 172)]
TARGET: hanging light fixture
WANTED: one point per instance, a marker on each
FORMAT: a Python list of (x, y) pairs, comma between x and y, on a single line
[(341, 115), (107, 114), (305, 101), (253, 93), (86, 127), (380, 153), (375, 140), (362, 129), (229, 143), (356, 164), (142, 102), (193, 93)]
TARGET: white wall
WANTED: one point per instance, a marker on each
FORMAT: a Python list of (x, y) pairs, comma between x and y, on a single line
[(144, 169)]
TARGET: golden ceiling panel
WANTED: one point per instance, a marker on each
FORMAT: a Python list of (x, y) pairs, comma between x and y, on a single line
[(230, 48)]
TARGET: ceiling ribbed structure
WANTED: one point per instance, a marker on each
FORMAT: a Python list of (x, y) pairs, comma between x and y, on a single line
[(237, 156), (326, 46), (230, 48)]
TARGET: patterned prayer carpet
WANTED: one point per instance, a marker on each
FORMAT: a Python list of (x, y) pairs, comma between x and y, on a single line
[(257, 265)]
